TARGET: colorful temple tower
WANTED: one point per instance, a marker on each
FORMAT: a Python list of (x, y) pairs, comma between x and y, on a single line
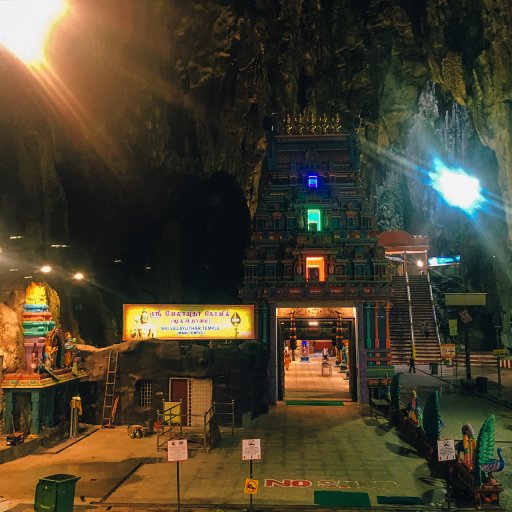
[(39, 396), (314, 260)]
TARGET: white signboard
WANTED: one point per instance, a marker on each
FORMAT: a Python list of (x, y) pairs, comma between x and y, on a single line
[(445, 450), (251, 449), (177, 450)]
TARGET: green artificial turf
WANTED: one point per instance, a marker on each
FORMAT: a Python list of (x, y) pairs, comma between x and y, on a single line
[(314, 402), (342, 499), (399, 500)]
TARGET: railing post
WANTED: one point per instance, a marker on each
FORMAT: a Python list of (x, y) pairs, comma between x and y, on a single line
[(181, 417), (204, 430), (232, 417), (158, 431)]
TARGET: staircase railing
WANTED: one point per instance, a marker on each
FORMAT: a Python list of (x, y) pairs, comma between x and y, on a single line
[(438, 337), (230, 413), (409, 304), (168, 421)]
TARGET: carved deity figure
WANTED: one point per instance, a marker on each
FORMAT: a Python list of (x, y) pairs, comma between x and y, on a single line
[(298, 267), (331, 267), (301, 220)]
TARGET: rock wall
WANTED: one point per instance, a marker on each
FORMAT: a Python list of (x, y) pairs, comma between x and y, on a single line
[(11, 340), (153, 98), (238, 372)]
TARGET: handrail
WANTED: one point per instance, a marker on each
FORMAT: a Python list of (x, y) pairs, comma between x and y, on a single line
[(166, 421), (166, 425), (229, 413), (411, 326), (434, 312)]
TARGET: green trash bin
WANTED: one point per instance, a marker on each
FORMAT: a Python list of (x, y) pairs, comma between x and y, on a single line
[(433, 368), (55, 493)]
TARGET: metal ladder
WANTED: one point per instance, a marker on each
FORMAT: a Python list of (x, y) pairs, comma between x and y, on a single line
[(109, 402)]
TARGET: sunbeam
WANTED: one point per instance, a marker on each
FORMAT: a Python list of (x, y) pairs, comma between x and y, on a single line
[(25, 27)]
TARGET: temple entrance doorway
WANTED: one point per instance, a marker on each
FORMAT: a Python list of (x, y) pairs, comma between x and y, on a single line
[(316, 351)]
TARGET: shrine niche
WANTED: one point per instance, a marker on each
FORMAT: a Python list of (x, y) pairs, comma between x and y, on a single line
[(37, 394)]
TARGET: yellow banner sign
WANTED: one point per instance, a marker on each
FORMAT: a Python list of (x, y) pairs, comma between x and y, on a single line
[(186, 321), (452, 324), (447, 350)]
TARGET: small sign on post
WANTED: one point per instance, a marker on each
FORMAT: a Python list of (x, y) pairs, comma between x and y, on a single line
[(251, 486), (446, 453), (251, 449), (500, 353), (447, 350), (445, 450), (177, 450)]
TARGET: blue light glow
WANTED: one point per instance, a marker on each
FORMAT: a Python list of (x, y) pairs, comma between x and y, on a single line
[(443, 260), (458, 188), (312, 181)]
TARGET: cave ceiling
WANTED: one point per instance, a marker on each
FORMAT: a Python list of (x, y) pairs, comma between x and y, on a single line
[(143, 142)]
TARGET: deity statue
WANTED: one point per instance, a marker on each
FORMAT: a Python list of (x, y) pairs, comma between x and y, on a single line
[(288, 124), (300, 124), (331, 267), (300, 220), (324, 124)]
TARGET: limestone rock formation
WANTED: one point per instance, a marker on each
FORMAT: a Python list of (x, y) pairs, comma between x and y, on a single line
[(117, 152), (11, 340)]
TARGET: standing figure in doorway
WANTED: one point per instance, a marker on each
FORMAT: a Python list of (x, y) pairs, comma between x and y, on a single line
[(287, 358)]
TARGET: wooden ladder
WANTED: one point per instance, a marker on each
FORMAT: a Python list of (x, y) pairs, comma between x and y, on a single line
[(109, 402)]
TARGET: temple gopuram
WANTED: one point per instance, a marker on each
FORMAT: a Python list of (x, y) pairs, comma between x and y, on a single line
[(314, 268)]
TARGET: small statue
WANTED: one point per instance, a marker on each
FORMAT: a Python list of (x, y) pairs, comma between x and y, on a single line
[(300, 220), (412, 408), (323, 124), (48, 352), (467, 445), (35, 358), (288, 124), (331, 268)]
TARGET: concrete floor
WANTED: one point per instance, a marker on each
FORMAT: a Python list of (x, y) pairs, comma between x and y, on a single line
[(306, 448)]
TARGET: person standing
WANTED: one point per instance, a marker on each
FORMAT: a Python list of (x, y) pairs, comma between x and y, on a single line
[(287, 358), (424, 329), (412, 364)]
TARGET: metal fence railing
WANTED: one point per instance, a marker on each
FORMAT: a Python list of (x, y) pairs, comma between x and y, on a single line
[(170, 423)]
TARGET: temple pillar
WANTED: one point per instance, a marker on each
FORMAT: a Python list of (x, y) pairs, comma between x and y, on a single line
[(368, 325), (257, 310), (388, 338), (50, 407), (376, 341), (276, 351), (362, 387), (35, 426), (264, 324), (8, 423)]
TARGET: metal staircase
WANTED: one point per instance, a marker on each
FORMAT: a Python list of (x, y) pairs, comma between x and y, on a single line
[(110, 402), (413, 305), (423, 314), (399, 323)]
